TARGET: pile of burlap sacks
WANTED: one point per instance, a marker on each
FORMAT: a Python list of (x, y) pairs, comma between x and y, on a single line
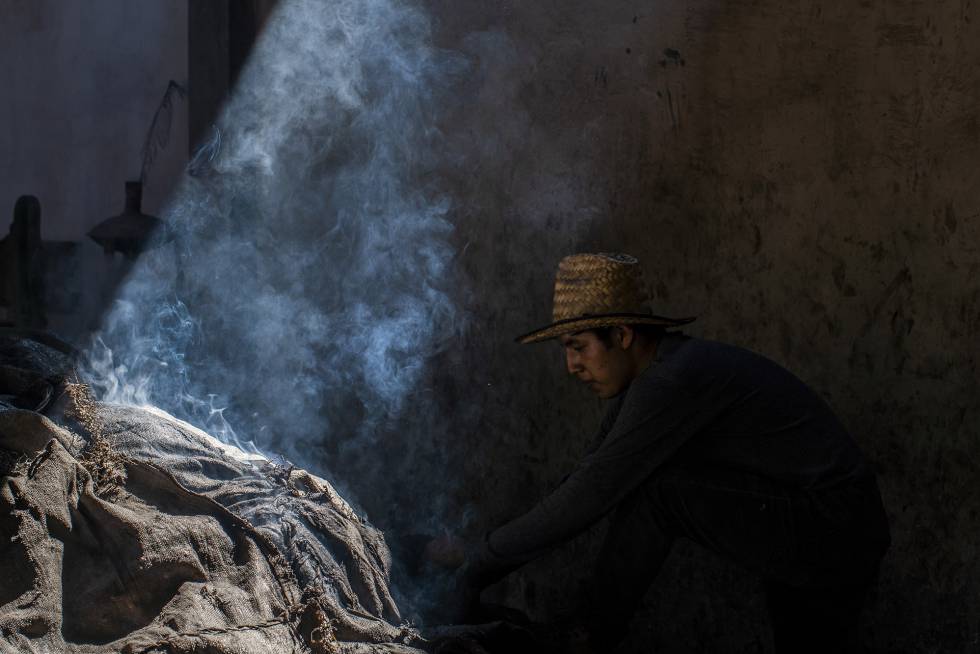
[(123, 529)]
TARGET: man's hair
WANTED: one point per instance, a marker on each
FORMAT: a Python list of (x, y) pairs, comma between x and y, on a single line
[(646, 332)]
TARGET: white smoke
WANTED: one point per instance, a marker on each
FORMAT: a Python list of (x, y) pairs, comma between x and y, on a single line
[(306, 281)]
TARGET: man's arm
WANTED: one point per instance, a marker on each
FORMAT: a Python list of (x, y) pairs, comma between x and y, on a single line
[(657, 417)]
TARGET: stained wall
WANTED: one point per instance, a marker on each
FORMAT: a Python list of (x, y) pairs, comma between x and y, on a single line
[(804, 177)]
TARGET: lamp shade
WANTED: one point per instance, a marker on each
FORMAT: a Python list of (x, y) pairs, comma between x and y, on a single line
[(130, 232)]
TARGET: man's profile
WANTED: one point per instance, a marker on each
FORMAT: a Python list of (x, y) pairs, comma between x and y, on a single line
[(706, 441)]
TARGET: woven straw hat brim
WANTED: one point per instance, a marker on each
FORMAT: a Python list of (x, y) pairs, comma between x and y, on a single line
[(574, 325)]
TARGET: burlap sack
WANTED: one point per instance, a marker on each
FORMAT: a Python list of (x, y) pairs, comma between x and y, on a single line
[(159, 538)]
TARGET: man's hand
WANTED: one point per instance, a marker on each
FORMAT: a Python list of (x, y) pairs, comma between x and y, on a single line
[(469, 565), (446, 551), (475, 566)]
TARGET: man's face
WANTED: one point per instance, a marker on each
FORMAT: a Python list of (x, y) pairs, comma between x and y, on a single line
[(606, 369)]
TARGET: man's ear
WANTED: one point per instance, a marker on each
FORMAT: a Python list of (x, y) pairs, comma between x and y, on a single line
[(626, 336)]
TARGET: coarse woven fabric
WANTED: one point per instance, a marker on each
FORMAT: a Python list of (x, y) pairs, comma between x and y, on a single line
[(157, 566), (188, 546)]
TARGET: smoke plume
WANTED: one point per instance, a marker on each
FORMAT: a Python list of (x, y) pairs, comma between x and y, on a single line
[(306, 279)]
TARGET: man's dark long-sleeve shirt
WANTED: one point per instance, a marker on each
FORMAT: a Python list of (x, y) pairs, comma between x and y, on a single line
[(722, 406)]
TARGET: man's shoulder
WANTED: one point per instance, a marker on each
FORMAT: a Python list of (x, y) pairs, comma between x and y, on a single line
[(684, 360), (684, 349), (698, 364)]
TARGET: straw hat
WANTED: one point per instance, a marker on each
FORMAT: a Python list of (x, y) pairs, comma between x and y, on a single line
[(599, 290)]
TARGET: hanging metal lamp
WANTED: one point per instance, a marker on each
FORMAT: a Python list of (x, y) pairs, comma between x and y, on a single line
[(130, 232)]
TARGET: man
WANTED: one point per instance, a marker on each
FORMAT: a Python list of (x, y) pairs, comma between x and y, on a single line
[(705, 441)]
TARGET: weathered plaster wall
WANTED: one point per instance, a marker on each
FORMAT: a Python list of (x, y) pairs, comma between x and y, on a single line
[(805, 178)]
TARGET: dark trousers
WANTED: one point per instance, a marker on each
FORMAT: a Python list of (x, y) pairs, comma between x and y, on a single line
[(817, 552)]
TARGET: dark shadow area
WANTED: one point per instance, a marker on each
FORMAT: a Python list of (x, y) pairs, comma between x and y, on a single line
[(15, 554), (108, 589)]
